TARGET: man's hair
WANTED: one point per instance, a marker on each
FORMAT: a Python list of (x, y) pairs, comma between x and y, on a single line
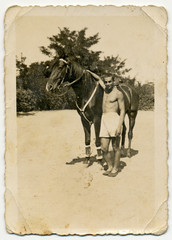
[(108, 77), (116, 79)]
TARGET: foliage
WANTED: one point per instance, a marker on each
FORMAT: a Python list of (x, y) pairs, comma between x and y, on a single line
[(112, 66), (26, 100), (146, 95), (73, 45), (22, 70)]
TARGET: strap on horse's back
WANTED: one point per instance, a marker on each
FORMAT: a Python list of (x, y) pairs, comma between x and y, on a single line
[(121, 88)]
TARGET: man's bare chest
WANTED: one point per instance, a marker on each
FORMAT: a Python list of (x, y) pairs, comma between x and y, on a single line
[(110, 97)]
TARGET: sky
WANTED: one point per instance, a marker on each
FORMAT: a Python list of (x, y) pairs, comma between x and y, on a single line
[(133, 38)]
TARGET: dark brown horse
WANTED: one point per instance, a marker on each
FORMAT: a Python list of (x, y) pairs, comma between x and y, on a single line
[(89, 97)]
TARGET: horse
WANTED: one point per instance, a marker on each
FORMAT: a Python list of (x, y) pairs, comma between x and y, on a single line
[(89, 99)]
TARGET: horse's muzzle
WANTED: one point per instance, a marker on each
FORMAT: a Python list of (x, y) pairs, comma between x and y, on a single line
[(49, 87)]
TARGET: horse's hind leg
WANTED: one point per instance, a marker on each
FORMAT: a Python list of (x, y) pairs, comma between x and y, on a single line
[(87, 131), (132, 116), (123, 139)]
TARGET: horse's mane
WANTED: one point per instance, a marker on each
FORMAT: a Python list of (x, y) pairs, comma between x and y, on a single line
[(87, 80), (77, 68), (53, 63)]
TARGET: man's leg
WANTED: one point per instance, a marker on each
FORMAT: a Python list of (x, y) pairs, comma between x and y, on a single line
[(117, 153), (106, 155)]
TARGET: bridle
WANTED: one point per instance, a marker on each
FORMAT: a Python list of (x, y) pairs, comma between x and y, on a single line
[(68, 68)]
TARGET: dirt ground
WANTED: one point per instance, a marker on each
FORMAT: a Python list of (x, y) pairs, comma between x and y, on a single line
[(56, 197)]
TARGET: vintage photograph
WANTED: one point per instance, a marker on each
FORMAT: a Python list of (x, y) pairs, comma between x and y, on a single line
[(86, 120)]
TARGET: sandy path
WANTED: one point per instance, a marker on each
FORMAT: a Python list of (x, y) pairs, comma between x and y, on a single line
[(60, 198)]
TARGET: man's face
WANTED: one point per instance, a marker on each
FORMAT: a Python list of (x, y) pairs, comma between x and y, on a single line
[(108, 84)]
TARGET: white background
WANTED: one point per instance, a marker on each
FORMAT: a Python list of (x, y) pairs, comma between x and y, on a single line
[(4, 4)]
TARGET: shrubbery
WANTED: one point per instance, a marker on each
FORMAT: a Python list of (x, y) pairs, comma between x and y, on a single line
[(146, 96), (26, 100), (55, 102), (146, 102)]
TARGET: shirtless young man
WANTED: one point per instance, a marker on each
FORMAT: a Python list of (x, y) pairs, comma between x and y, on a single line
[(111, 123)]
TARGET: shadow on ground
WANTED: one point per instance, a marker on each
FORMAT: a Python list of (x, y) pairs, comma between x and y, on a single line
[(23, 114), (93, 159), (133, 153), (90, 161)]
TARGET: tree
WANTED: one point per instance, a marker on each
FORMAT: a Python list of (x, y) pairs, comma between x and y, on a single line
[(112, 66), (73, 45), (22, 69)]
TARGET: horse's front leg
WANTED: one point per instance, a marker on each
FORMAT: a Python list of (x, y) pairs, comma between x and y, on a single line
[(87, 131), (97, 122)]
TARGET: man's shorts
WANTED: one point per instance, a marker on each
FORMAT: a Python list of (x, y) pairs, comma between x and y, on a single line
[(109, 124)]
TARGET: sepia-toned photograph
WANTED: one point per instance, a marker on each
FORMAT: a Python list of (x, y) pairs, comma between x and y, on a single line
[(86, 120)]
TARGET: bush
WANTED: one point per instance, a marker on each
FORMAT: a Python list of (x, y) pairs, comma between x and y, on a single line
[(55, 102), (29, 100), (146, 96), (26, 100), (146, 102)]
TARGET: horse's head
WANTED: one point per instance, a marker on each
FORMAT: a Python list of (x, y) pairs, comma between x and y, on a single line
[(58, 75)]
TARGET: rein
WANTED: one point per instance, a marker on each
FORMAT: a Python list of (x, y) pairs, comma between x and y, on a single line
[(82, 110)]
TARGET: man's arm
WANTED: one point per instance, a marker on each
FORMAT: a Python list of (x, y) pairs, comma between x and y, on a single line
[(97, 78), (122, 112)]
